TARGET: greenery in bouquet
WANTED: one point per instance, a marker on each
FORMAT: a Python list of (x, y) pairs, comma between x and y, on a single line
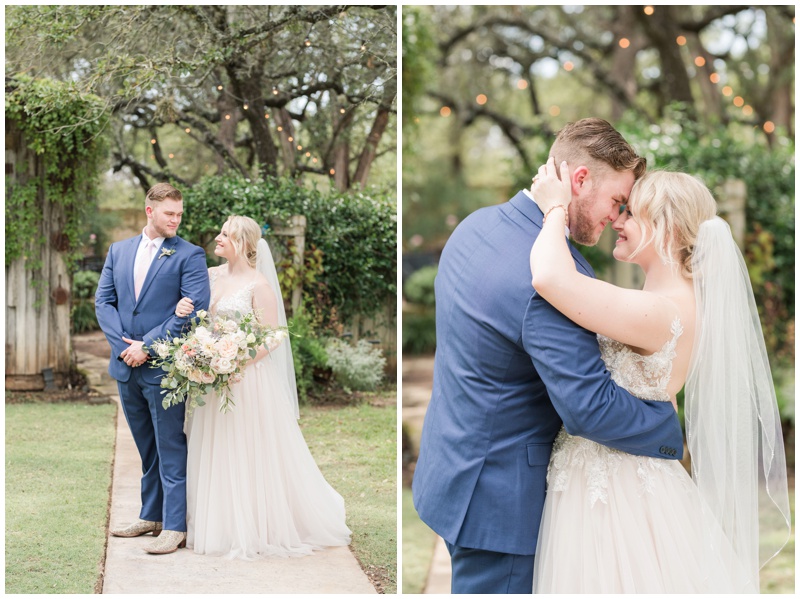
[(211, 356)]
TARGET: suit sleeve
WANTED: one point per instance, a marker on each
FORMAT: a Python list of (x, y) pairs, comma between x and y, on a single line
[(591, 405), (106, 307), (194, 284)]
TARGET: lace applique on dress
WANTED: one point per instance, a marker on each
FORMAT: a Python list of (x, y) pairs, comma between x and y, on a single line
[(645, 377), (241, 300)]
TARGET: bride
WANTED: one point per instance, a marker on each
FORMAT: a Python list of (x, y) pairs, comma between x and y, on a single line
[(619, 523), (253, 488)]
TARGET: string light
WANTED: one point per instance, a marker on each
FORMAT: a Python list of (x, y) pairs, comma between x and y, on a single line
[(299, 148), (291, 139), (245, 106), (219, 87), (522, 84), (649, 10), (172, 155), (188, 130), (307, 42), (568, 66), (769, 127), (274, 90), (624, 42), (481, 99), (681, 40), (738, 101), (555, 110), (314, 160), (444, 111), (700, 61), (714, 77), (342, 111), (153, 141), (332, 171), (727, 90), (266, 116), (747, 110), (308, 154), (227, 117), (280, 128)]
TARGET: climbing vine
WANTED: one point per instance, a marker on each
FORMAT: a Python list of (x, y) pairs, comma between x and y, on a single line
[(63, 126)]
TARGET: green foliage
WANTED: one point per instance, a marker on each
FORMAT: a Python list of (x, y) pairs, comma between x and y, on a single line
[(63, 126), (358, 367), (308, 353), (82, 316), (419, 52), (419, 331), (418, 288), (352, 236)]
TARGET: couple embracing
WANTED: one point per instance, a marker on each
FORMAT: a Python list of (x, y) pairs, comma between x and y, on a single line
[(241, 484), (549, 452)]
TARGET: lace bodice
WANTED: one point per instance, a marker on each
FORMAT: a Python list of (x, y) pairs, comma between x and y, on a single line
[(645, 377), (227, 303)]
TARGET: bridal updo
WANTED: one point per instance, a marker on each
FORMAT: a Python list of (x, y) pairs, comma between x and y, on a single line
[(670, 207), (244, 234)]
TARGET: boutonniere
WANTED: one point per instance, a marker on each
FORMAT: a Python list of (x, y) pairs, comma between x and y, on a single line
[(166, 252)]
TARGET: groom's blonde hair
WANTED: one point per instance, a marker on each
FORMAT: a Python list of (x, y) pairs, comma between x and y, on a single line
[(594, 143), (244, 234)]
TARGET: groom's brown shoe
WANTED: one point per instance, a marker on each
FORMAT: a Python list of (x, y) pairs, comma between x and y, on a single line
[(169, 542), (137, 529)]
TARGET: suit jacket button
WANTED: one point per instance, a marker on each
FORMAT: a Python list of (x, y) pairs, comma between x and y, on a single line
[(135, 313)]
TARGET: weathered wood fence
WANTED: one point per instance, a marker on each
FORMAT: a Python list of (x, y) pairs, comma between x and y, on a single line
[(38, 342)]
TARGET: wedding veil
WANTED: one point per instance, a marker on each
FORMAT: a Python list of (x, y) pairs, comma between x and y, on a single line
[(733, 428), (281, 355)]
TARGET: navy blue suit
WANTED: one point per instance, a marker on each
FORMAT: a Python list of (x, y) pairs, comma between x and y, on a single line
[(509, 370), (158, 433)]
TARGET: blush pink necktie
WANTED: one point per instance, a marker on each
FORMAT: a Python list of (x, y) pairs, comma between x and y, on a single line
[(142, 267)]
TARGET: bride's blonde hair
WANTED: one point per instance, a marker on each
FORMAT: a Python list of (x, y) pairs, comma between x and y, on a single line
[(244, 234), (670, 208)]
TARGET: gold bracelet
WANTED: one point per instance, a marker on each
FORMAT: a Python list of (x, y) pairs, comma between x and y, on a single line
[(566, 213)]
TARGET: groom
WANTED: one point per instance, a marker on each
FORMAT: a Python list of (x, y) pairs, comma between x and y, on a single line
[(142, 281), (501, 391)]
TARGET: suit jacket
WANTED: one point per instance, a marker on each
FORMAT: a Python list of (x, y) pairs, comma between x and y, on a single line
[(152, 316), (509, 370)]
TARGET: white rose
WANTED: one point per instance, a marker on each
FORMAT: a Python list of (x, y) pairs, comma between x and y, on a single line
[(202, 313), (207, 377), (222, 365), (251, 339)]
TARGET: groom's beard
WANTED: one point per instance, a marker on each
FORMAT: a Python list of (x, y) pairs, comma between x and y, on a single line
[(165, 232), (583, 230)]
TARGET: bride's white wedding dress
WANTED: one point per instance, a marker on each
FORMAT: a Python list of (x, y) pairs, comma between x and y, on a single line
[(619, 523), (253, 487)]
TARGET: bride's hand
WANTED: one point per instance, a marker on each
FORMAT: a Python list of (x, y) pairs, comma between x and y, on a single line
[(552, 187), (184, 307)]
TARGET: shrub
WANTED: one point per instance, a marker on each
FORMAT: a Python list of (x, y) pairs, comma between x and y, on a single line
[(308, 353), (352, 236), (356, 368), (418, 288), (419, 331), (82, 316)]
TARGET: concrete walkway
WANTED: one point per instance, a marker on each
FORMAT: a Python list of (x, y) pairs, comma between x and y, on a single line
[(129, 569)]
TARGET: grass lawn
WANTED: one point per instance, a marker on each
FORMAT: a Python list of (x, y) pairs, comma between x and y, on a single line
[(418, 544), (356, 449), (58, 478)]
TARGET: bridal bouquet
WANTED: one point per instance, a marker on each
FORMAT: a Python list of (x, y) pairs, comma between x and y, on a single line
[(211, 356)]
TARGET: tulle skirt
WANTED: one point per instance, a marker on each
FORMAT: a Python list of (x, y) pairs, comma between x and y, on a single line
[(253, 488), (618, 523)]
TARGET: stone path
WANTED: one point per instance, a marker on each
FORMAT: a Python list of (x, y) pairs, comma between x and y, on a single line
[(417, 383), (129, 569)]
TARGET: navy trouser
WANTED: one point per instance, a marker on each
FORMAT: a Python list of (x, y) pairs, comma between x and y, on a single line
[(159, 437), (477, 571)]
